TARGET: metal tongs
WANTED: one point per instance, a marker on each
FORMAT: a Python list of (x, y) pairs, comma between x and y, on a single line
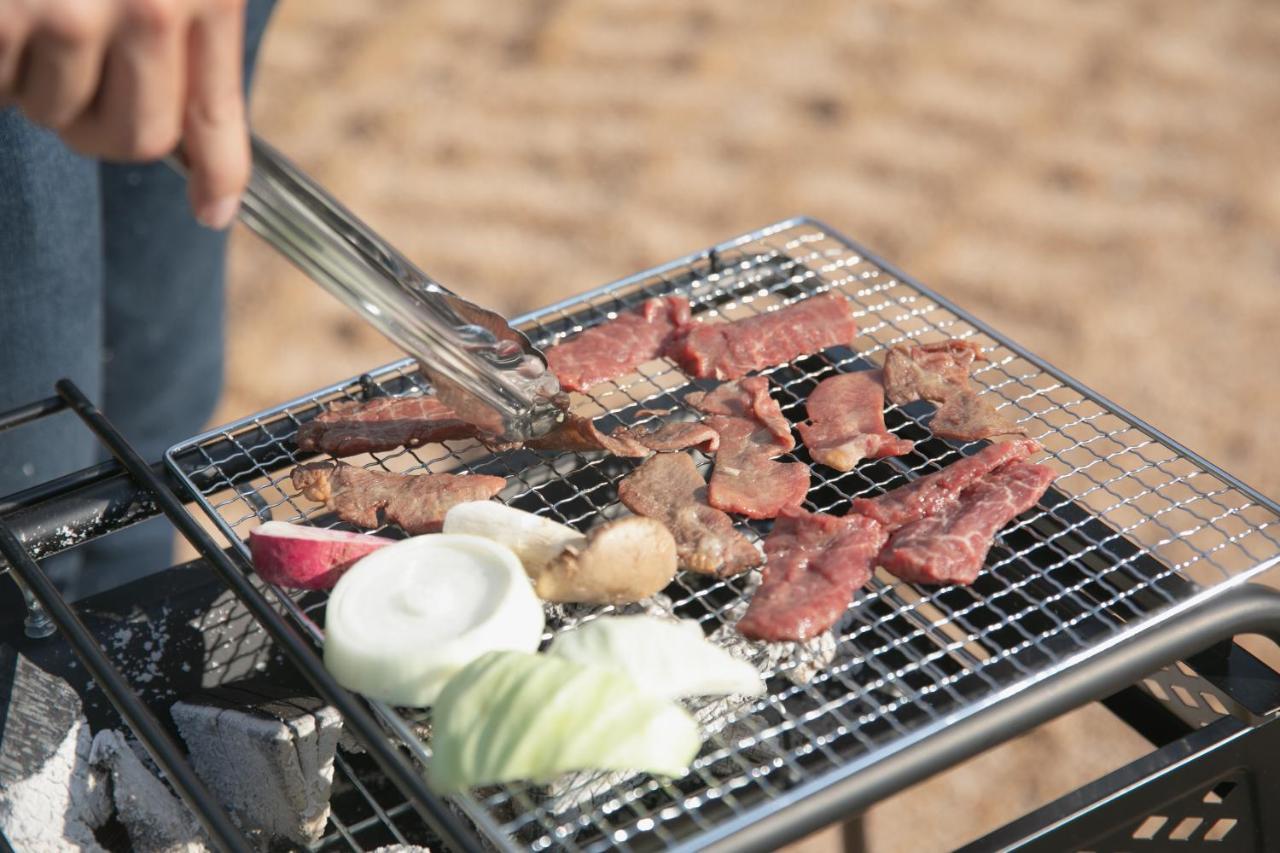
[(486, 371)]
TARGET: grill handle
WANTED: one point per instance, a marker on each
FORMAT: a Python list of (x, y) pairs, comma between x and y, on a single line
[(486, 371)]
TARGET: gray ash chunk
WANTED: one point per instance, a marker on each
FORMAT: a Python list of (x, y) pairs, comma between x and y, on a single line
[(266, 752), (50, 798), (156, 820)]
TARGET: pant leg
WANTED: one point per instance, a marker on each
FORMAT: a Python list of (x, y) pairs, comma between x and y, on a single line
[(50, 305), (164, 278)]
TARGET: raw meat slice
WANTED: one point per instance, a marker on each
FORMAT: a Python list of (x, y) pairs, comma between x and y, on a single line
[(968, 417), (752, 431), (668, 487), (732, 350), (846, 422), (614, 348), (951, 546), (385, 423), (931, 493), (415, 502), (815, 564)]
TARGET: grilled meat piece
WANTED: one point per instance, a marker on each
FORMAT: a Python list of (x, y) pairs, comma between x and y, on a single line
[(846, 422), (951, 546), (415, 502), (386, 423), (752, 431), (612, 349), (939, 372), (668, 487), (732, 350), (966, 416), (929, 494), (929, 371), (815, 564)]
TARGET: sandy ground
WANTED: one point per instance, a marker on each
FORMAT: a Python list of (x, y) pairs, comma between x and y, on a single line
[(1099, 180)]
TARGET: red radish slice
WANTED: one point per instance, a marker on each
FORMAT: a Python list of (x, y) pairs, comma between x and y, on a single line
[(302, 557)]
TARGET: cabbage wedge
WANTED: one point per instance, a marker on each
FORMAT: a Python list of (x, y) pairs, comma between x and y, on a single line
[(513, 715)]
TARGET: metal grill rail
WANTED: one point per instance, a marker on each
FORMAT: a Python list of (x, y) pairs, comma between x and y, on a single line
[(1135, 531)]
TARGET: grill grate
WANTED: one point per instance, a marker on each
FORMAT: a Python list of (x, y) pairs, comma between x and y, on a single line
[(1134, 527)]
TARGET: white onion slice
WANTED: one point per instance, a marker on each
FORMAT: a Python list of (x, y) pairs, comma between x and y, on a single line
[(404, 619)]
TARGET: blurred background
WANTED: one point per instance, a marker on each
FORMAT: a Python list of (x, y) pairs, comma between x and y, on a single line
[(1099, 180)]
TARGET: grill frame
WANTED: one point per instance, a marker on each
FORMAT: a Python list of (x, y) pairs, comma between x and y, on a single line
[(802, 800)]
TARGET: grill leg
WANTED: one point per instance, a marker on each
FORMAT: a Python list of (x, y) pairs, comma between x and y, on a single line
[(854, 836), (37, 625), (1208, 786)]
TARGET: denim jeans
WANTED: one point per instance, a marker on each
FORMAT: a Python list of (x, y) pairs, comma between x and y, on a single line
[(107, 279)]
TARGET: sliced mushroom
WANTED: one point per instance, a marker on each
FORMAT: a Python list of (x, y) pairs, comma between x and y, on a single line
[(622, 561), (535, 539)]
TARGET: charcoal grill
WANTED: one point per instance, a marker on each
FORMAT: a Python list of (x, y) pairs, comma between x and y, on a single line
[(1136, 561)]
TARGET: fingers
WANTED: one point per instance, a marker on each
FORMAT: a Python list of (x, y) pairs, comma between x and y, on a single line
[(215, 137), (14, 29), (63, 65), (137, 114)]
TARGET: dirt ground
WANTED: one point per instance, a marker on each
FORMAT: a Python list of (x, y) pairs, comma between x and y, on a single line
[(1099, 180)]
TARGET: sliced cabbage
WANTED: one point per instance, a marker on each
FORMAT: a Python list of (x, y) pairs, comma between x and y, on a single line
[(665, 658), (512, 715)]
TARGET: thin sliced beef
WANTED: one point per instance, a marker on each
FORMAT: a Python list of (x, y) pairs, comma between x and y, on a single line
[(612, 349), (951, 546), (966, 416), (939, 372), (929, 494), (748, 399), (415, 502), (846, 422), (576, 433), (668, 487), (815, 564), (929, 371), (752, 431), (386, 423), (670, 437), (732, 350), (581, 434)]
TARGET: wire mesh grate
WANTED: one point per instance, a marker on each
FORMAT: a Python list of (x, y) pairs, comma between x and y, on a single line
[(1132, 526)]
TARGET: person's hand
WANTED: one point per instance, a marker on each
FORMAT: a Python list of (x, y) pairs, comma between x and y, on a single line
[(128, 79)]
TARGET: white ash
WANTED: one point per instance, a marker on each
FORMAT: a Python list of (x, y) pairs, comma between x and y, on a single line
[(401, 848), (266, 754), (50, 798), (562, 617), (156, 820)]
